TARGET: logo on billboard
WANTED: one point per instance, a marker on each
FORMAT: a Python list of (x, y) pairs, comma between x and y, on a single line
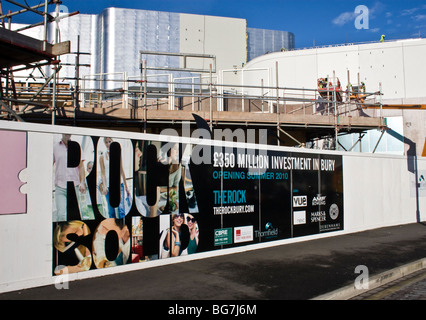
[(300, 201), (299, 217), (222, 236), (243, 234), (319, 200), (334, 211), (318, 216), (270, 232)]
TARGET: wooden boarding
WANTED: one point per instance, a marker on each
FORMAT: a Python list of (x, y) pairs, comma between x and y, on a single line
[(225, 117), (399, 106), (17, 49)]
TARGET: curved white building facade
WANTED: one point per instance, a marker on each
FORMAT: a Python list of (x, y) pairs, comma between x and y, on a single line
[(399, 67)]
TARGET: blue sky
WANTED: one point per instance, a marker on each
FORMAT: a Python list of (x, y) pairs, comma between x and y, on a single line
[(311, 21)]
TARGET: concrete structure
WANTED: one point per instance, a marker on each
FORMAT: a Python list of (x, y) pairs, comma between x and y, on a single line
[(396, 65), (395, 68), (115, 36), (110, 77)]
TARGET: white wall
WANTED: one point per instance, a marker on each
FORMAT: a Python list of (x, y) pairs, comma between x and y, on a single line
[(398, 65), (223, 37), (26, 239), (377, 192)]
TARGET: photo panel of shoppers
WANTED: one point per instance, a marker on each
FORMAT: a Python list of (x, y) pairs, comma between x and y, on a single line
[(111, 243), (158, 173), (71, 257), (114, 176), (72, 156), (140, 179), (137, 240), (181, 238)]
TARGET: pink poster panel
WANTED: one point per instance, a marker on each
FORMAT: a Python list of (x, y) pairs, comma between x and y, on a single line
[(13, 159)]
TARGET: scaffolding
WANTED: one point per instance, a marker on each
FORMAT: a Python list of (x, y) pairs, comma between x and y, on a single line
[(169, 95), (259, 99), (23, 53), (173, 99)]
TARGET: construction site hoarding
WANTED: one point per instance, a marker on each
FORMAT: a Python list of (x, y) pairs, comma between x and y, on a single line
[(117, 200), (112, 207), (144, 200)]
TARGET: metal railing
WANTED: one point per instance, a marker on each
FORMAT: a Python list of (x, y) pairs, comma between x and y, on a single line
[(130, 92)]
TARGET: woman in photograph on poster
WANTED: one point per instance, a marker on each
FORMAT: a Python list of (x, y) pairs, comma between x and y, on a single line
[(140, 169), (71, 257), (104, 163), (178, 238), (63, 174), (139, 182), (137, 239), (101, 243), (193, 233), (170, 195), (85, 203), (175, 167)]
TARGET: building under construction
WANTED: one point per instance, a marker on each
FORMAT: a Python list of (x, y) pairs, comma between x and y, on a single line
[(106, 201), (57, 80)]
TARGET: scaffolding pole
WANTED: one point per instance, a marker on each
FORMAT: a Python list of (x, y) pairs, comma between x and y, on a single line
[(33, 50)]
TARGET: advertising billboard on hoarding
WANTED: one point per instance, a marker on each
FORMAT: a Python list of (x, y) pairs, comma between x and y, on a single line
[(122, 201)]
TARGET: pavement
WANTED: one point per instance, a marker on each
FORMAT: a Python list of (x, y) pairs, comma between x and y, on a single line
[(322, 269), (409, 287)]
